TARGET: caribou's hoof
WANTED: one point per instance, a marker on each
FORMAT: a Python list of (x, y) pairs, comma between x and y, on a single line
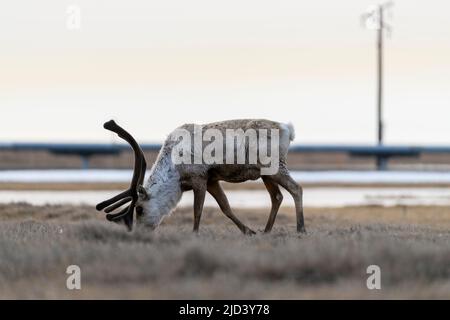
[(301, 229), (248, 231)]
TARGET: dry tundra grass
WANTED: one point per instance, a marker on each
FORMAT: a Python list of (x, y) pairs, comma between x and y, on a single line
[(410, 244)]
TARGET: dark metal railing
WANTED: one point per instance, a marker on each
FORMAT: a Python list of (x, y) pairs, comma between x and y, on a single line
[(382, 153)]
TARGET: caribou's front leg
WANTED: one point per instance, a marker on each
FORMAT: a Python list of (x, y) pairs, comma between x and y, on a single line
[(199, 200)]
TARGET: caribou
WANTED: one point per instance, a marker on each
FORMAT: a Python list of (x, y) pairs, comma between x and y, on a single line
[(173, 173)]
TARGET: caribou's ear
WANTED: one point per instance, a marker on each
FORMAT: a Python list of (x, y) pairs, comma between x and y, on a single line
[(142, 193)]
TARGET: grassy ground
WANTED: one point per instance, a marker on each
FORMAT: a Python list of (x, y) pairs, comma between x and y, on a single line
[(410, 244)]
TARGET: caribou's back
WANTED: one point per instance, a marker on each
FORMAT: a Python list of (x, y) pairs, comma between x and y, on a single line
[(234, 172)]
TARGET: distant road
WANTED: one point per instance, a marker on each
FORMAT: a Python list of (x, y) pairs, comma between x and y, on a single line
[(104, 148)]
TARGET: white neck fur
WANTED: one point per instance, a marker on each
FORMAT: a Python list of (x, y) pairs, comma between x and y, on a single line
[(163, 187)]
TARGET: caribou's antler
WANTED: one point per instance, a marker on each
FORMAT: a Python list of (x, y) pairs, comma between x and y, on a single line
[(132, 193)]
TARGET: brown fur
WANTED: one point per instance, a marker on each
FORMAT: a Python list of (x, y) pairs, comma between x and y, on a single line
[(205, 177)]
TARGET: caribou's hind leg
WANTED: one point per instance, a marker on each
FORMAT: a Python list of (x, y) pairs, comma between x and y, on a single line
[(284, 179), (216, 191), (276, 197)]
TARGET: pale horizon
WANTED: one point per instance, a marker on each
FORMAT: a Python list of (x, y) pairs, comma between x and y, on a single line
[(153, 66)]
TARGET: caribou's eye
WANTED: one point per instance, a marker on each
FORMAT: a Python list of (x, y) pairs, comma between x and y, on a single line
[(139, 211)]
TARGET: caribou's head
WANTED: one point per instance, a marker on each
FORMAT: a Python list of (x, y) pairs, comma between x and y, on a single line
[(152, 204), (136, 194)]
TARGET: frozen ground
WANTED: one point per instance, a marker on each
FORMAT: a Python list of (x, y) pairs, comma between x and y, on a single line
[(257, 198), (329, 177)]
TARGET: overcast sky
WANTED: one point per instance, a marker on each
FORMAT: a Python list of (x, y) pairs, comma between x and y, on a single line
[(154, 65)]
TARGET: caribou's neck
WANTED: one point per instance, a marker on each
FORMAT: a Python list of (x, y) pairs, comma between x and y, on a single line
[(163, 185)]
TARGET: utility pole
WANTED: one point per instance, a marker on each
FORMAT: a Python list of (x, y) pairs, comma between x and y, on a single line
[(380, 76), (374, 19)]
